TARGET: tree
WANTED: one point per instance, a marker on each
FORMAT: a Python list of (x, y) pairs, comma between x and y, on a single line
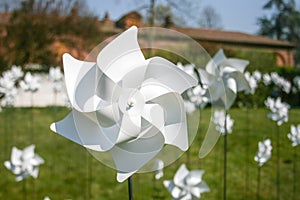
[(35, 24), (181, 12), (283, 24), (210, 18)]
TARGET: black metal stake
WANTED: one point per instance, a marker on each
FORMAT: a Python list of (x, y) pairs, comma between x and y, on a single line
[(247, 152), (258, 183), (225, 159), (130, 192), (24, 190), (278, 165), (294, 172)]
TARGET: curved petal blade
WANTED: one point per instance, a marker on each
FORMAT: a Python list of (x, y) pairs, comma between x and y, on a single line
[(121, 55), (175, 131), (212, 65), (130, 128), (130, 156), (154, 114), (241, 81), (152, 88), (169, 75), (230, 93), (238, 64), (85, 132), (80, 81), (181, 173)]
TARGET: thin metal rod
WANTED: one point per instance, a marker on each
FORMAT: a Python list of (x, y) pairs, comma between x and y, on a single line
[(294, 172), (24, 190), (225, 159), (130, 192), (278, 164), (258, 184), (247, 160)]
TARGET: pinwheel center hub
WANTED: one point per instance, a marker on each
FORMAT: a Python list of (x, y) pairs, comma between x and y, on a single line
[(131, 101)]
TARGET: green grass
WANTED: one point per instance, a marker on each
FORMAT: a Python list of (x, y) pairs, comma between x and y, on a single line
[(65, 174)]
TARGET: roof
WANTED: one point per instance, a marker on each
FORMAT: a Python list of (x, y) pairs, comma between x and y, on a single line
[(4, 18), (232, 37)]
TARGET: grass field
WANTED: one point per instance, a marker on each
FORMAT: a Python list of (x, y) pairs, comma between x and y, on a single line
[(70, 172)]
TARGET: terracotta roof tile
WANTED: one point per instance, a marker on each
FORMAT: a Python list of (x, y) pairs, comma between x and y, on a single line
[(231, 37)]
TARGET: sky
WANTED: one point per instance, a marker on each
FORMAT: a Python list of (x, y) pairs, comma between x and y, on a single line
[(236, 15)]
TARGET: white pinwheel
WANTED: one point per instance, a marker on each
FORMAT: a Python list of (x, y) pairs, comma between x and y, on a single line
[(188, 68), (197, 96), (294, 135), (280, 82), (257, 75), (187, 185), (279, 110), (24, 163), (8, 90), (252, 83), (264, 152), (56, 76), (125, 105), (189, 106), (219, 121), (14, 74), (267, 80), (158, 169), (30, 83), (296, 82), (224, 78)]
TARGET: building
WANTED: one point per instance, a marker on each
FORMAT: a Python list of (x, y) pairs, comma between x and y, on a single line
[(212, 40)]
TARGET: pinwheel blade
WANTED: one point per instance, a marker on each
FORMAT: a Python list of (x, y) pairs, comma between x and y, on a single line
[(83, 131), (169, 75), (175, 131), (130, 158), (75, 73), (121, 56)]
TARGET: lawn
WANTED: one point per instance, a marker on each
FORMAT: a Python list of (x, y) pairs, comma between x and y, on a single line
[(70, 172)]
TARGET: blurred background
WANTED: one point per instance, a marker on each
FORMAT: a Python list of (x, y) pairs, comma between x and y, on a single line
[(34, 34)]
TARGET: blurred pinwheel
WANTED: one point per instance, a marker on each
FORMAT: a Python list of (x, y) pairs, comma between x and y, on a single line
[(264, 152), (294, 135), (257, 75), (187, 185), (267, 79), (197, 96), (279, 110), (8, 90), (189, 106), (24, 163), (252, 83), (219, 121), (125, 105), (281, 83), (14, 74), (30, 83), (56, 76), (296, 82), (158, 169), (224, 78)]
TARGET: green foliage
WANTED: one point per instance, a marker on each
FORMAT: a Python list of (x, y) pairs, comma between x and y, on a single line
[(259, 60), (35, 25), (262, 92), (283, 23), (28, 38), (65, 174)]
